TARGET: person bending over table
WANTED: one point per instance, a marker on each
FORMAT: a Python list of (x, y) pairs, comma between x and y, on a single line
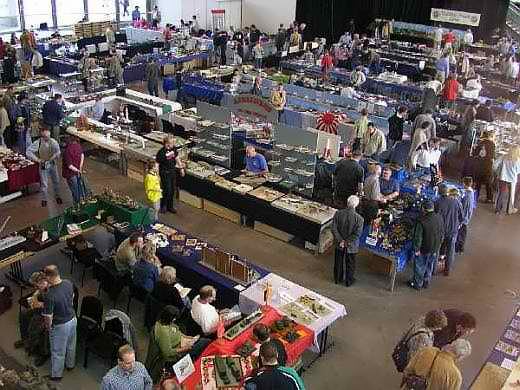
[(371, 187), (374, 142), (204, 313), (389, 187), (166, 292), (271, 375), (33, 335), (261, 333), (255, 162)]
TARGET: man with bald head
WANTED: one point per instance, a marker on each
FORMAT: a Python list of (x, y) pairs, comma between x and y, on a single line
[(255, 162)]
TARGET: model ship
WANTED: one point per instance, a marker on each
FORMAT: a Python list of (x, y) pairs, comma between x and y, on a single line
[(228, 265), (243, 325)]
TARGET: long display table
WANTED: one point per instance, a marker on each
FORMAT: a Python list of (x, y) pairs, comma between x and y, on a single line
[(258, 210)]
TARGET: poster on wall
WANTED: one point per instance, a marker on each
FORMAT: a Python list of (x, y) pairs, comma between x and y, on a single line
[(455, 17), (255, 106)]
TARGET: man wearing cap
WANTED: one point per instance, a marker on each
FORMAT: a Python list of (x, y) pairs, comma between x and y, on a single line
[(450, 210), (427, 240)]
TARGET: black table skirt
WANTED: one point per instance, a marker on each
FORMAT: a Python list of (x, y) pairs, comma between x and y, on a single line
[(253, 208)]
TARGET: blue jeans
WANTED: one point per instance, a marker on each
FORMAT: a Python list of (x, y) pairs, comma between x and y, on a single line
[(63, 347), (52, 172), (76, 189), (153, 88), (449, 250), (423, 268), (258, 63)]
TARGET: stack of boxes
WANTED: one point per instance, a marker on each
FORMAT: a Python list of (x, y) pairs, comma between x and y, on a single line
[(91, 29)]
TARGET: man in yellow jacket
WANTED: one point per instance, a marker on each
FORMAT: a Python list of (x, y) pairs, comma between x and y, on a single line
[(439, 366), (152, 188)]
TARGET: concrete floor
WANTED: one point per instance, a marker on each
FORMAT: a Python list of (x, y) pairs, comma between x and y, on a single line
[(364, 340)]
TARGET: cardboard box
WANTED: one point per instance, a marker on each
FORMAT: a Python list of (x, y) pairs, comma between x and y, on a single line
[(272, 232), (192, 200), (222, 212)]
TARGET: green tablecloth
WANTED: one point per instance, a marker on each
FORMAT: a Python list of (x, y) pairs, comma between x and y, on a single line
[(57, 226)]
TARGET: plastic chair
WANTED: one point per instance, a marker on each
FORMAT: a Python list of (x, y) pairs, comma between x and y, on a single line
[(110, 280), (106, 343), (90, 318), (87, 258), (136, 292), (152, 308)]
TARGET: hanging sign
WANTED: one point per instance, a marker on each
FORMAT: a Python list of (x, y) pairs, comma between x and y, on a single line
[(255, 106), (455, 17)]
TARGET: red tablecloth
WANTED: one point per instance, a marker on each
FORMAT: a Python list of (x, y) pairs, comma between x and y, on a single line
[(19, 178), (226, 347)]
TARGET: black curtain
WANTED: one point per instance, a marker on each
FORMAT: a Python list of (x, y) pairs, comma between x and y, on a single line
[(329, 18)]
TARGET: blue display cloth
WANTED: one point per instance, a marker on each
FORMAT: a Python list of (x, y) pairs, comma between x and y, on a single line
[(402, 92), (401, 257), (403, 68), (337, 74), (56, 67), (194, 274), (163, 59), (134, 73), (202, 89)]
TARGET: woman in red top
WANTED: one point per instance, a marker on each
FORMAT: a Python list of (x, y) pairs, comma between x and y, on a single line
[(450, 91), (72, 168), (326, 65), (449, 39)]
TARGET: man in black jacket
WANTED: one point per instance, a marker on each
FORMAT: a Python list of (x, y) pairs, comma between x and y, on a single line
[(427, 240), (271, 376), (484, 112), (348, 178), (347, 226), (281, 37), (395, 126), (52, 113)]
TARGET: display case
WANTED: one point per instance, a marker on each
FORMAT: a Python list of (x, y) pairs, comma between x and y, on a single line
[(296, 166), (214, 143)]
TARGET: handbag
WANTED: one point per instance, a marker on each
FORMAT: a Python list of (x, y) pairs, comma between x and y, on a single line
[(417, 382)]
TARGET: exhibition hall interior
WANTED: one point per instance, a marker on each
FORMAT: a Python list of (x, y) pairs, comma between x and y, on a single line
[(259, 194)]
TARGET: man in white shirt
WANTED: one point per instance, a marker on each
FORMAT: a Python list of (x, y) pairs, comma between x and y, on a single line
[(358, 77), (468, 37), (203, 312), (437, 38), (429, 156), (99, 109)]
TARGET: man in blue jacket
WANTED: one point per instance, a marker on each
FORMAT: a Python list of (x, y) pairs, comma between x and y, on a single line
[(52, 113), (450, 209)]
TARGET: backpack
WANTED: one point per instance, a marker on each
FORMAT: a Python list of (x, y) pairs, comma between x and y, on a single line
[(400, 354)]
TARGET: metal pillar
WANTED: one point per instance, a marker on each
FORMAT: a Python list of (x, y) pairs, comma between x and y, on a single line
[(54, 15)]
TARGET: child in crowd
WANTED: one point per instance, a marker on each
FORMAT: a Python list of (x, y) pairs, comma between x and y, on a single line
[(152, 188), (468, 206)]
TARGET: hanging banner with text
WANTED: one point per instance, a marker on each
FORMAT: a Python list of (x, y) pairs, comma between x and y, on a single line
[(255, 106), (455, 17)]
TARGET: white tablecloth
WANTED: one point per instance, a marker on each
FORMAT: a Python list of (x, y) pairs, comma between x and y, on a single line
[(188, 123), (253, 297)]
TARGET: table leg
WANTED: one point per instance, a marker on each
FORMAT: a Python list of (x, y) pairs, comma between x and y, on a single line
[(323, 345), (393, 274)]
